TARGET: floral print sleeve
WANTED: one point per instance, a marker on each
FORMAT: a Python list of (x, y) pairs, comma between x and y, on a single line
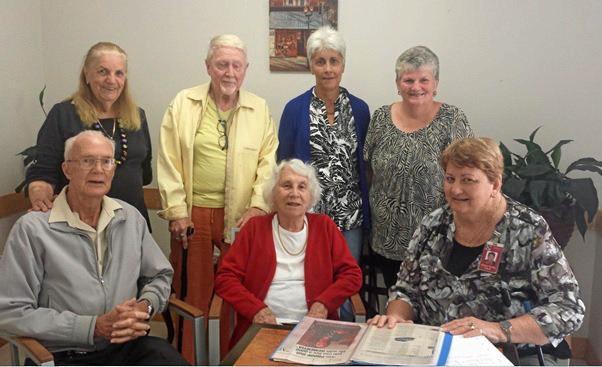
[(559, 309)]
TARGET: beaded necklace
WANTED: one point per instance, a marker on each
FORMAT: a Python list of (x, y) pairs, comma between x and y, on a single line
[(117, 133)]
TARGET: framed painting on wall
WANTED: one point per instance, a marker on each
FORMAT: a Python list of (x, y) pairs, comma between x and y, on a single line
[(291, 23)]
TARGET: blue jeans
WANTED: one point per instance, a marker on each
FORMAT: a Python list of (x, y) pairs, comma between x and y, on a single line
[(354, 242)]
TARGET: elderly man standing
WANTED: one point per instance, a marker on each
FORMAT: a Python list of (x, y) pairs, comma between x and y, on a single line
[(217, 151), (85, 277)]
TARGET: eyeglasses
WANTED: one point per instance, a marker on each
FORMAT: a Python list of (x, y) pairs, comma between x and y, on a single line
[(223, 134), (89, 163)]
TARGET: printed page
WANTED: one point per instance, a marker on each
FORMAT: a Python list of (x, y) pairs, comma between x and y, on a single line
[(406, 344), (320, 342), (476, 351)]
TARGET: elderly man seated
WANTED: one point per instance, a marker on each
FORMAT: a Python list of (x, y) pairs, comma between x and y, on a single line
[(85, 277)]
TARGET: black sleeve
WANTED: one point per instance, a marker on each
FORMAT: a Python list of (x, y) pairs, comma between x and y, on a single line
[(60, 124), (147, 169)]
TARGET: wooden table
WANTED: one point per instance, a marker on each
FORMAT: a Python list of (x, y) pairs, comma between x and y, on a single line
[(256, 346)]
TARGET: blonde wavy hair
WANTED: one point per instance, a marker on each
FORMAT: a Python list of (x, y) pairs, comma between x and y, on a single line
[(83, 99)]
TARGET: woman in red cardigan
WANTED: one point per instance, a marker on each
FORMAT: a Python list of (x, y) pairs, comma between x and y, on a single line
[(291, 263)]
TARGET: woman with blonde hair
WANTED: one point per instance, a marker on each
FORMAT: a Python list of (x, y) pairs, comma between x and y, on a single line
[(102, 102)]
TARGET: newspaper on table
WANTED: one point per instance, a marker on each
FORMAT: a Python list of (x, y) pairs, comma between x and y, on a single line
[(321, 342)]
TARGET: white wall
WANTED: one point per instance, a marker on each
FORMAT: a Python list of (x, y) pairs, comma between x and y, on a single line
[(510, 65), (21, 79)]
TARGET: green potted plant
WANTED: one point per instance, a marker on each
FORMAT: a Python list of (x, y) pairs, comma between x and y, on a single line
[(30, 154), (535, 180)]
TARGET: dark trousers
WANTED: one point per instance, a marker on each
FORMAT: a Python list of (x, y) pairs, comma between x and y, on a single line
[(146, 350), (388, 267)]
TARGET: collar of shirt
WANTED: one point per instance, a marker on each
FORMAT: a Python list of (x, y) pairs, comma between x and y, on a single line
[(61, 212)]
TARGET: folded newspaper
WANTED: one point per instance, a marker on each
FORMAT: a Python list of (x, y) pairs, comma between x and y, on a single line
[(320, 342)]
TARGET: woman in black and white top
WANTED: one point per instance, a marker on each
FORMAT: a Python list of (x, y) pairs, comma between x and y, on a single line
[(402, 149), (327, 126)]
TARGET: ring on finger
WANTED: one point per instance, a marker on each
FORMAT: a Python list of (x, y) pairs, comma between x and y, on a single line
[(471, 326), (182, 235)]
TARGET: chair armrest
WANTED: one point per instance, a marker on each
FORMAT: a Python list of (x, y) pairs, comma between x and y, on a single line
[(33, 349), (36, 351), (214, 333), (357, 306), (199, 330), (184, 309), (216, 307)]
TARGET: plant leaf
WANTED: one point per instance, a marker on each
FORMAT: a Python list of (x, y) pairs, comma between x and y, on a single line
[(585, 194), (41, 99), (507, 154), (556, 151), (537, 189), (532, 136), (28, 151), (533, 170), (585, 164), (514, 187)]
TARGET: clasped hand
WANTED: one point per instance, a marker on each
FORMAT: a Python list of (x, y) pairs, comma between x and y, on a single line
[(127, 321)]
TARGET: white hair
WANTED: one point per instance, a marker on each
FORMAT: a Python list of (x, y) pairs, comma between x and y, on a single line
[(325, 38), (303, 169), (86, 133), (225, 40)]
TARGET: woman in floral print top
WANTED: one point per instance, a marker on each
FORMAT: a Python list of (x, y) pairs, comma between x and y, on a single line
[(530, 289)]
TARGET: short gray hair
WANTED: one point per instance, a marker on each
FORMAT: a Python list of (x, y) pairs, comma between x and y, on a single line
[(325, 38), (89, 133), (225, 40), (414, 58), (303, 169)]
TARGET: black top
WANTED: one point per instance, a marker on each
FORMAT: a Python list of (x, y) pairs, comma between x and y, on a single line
[(461, 257), (61, 124)]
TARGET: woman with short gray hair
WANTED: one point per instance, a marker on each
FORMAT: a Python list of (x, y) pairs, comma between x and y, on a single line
[(327, 126), (402, 148)]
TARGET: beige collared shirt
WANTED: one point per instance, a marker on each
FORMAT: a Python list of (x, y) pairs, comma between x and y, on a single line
[(61, 212)]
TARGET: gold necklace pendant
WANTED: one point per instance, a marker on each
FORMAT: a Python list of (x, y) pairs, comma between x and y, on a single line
[(289, 252)]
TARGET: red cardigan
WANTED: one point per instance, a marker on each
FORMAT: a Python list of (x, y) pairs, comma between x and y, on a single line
[(246, 272)]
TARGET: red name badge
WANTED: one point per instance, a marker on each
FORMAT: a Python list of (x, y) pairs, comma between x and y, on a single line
[(491, 257)]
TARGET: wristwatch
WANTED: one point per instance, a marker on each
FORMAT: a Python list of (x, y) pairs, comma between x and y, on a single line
[(506, 327), (149, 307)]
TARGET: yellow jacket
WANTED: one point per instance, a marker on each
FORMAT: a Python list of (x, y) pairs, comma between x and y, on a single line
[(250, 161)]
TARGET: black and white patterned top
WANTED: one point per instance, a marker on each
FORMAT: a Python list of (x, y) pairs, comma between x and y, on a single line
[(533, 270), (407, 181), (333, 154)]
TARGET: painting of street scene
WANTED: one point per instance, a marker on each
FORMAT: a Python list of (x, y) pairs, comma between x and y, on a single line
[(291, 23)]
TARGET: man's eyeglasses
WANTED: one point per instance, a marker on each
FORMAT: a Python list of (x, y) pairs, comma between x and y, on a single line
[(223, 134), (89, 163)]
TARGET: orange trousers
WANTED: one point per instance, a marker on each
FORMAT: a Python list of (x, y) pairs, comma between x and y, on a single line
[(208, 232)]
